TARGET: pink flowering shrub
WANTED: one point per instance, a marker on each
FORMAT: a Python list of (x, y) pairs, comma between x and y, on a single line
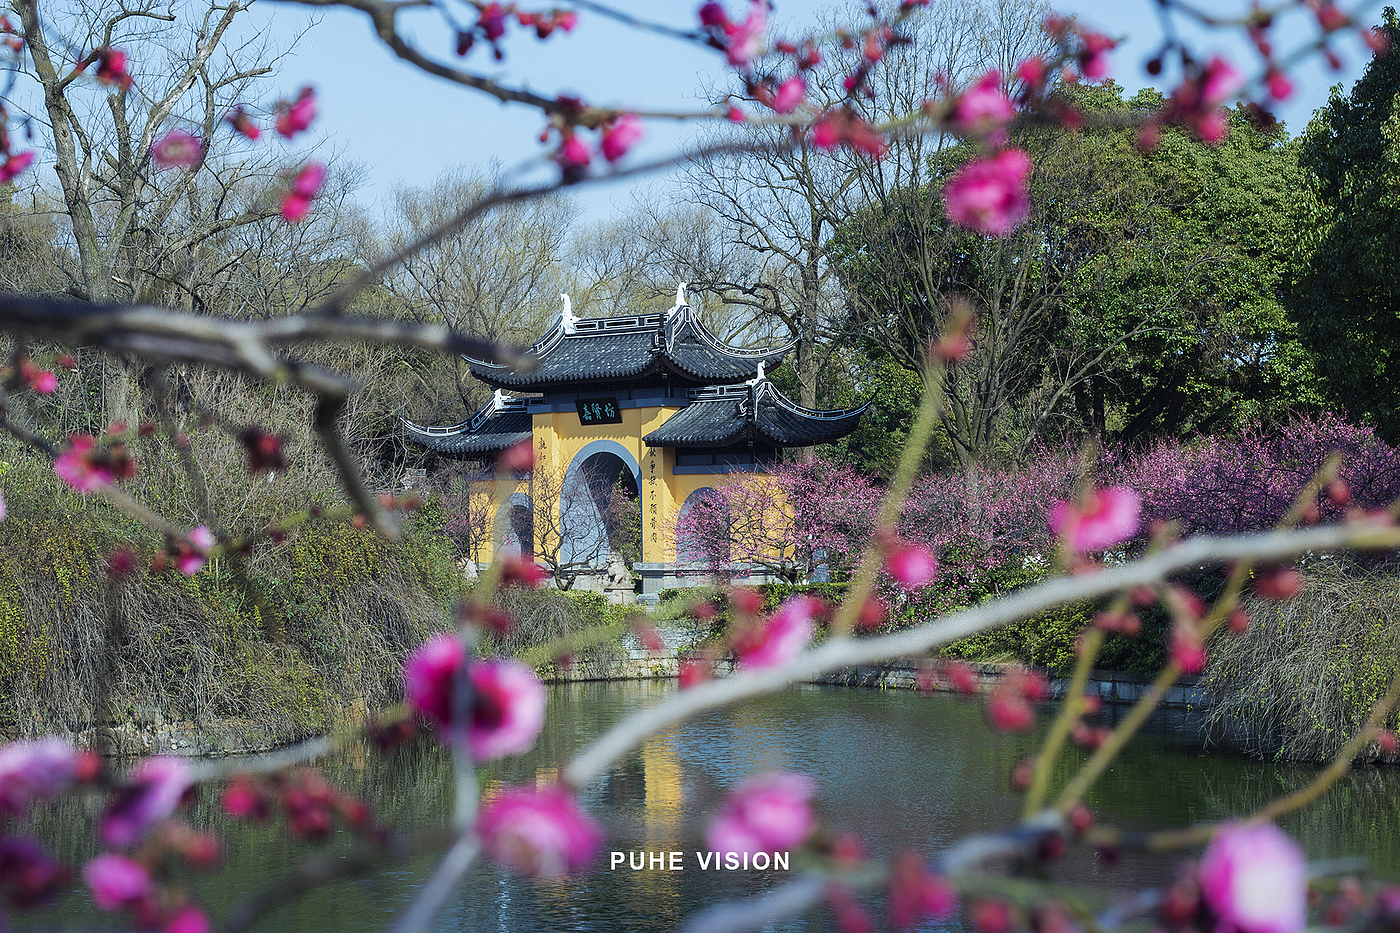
[(1229, 485), (791, 521)]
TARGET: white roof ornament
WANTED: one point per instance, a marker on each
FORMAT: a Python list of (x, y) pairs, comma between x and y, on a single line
[(760, 371), (567, 315), (498, 400), (680, 294)]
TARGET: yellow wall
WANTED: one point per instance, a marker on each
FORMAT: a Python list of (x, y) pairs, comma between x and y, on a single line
[(558, 439)]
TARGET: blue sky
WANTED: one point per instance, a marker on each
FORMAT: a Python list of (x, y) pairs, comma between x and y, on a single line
[(406, 127)]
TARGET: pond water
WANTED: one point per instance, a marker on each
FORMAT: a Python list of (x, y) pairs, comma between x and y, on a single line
[(902, 770)]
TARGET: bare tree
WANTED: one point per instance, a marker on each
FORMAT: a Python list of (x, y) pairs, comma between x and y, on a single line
[(580, 517), (138, 231), (782, 201), (498, 277)]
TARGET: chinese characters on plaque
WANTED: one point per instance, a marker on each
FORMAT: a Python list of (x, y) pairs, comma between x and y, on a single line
[(598, 411)]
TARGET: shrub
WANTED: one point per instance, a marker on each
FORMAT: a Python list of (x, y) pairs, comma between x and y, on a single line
[(1303, 678), (545, 614), (309, 629)]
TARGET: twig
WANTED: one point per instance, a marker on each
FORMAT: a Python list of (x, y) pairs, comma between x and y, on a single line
[(434, 894), (793, 897), (1338, 766), (323, 868)]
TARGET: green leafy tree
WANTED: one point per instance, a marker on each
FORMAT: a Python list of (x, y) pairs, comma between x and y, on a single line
[(1345, 294), (1140, 298)]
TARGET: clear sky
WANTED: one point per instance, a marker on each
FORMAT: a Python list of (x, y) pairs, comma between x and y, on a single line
[(406, 127)]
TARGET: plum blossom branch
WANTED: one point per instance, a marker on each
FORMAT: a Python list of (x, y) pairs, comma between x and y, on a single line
[(787, 899), (844, 652), (163, 335), (319, 870), (440, 886), (336, 302)]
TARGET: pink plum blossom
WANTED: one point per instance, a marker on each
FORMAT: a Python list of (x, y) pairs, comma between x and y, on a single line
[(1197, 100), (538, 831), (296, 203), (177, 149), (507, 709), (1009, 710), (620, 135), (746, 39), (983, 108), (428, 675), (911, 565), (841, 126), (38, 769), (1255, 879), (508, 700), (1187, 649), (766, 813), (573, 154), (1105, 518), (154, 790), (779, 638), (1032, 71), (44, 382), (78, 467), (990, 196), (187, 920), (916, 894), (14, 165), (1093, 61), (202, 538), (29, 875), (296, 117), (116, 881), (242, 124), (111, 68), (790, 95)]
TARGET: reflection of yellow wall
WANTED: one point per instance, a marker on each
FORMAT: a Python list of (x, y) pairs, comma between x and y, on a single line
[(663, 782), (661, 772)]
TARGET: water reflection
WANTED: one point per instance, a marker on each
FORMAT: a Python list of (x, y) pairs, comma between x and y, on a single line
[(902, 770)]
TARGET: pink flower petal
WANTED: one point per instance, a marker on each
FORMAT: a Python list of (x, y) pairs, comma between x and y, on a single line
[(540, 832), (1255, 880), (990, 196), (766, 813), (116, 881)]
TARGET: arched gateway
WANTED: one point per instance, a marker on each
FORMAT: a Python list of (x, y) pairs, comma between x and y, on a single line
[(656, 399)]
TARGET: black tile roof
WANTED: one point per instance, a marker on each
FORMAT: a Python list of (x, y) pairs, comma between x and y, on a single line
[(489, 430), (629, 350), (762, 413)]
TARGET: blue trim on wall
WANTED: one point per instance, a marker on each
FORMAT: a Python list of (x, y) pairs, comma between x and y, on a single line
[(607, 447)]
